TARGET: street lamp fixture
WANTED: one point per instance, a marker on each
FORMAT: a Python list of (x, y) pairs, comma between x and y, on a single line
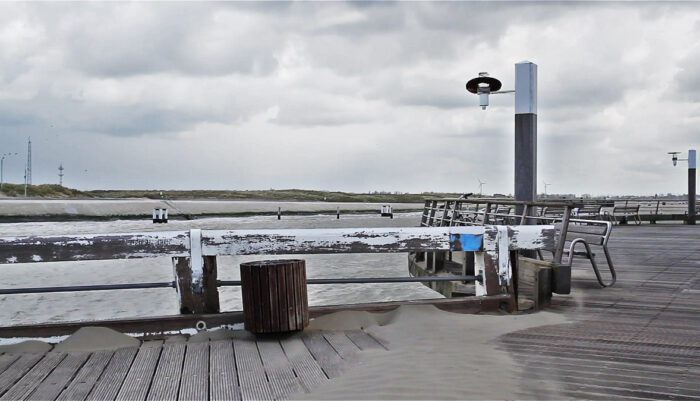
[(674, 158), (484, 85)]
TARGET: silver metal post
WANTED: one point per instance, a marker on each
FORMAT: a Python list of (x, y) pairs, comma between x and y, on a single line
[(691, 186), (525, 131)]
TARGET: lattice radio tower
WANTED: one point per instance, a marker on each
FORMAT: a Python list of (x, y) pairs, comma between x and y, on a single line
[(60, 175), (28, 169)]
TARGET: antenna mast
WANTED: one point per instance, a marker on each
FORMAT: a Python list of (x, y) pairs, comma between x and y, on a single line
[(60, 175), (28, 168)]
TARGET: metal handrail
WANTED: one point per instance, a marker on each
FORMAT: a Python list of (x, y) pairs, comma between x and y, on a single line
[(510, 202), (223, 283)]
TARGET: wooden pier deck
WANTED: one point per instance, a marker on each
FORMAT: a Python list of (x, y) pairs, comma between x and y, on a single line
[(239, 368), (637, 340)]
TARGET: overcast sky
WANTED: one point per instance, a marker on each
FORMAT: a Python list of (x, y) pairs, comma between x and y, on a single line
[(346, 96)]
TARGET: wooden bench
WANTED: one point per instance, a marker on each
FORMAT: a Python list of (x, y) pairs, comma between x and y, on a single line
[(624, 212), (590, 211)]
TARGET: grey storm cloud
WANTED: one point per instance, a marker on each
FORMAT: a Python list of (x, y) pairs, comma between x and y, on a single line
[(368, 93)]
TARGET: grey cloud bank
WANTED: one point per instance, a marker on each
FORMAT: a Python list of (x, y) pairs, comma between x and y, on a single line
[(347, 96)]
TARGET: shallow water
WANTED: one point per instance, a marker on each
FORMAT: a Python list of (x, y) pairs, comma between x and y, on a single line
[(32, 308)]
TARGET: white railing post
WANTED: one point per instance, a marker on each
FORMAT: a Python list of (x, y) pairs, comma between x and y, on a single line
[(195, 278)]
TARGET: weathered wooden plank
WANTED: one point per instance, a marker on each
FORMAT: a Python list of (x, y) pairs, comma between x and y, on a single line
[(307, 370), (291, 301), (279, 371), (251, 374), (264, 300), (195, 374), (33, 378), (325, 355), (341, 240), (271, 242), (283, 313), (80, 386), (273, 293), (93, 246), (55, 382), (6, 360), (223, 378), (107, 387), (166, 380), (138, 380), (342, 344), (370, 240), (17, 370), (302, 299), (363, 340)]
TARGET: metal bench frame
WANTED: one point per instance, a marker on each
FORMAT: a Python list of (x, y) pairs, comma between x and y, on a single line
[(601, 239), (626, 211), (456, 212)]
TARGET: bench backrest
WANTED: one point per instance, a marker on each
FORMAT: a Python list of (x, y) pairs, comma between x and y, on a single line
[(594, 232), (590, 209), (554, 211), (626, 209)]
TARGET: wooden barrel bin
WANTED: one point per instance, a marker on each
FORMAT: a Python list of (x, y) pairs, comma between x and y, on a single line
[(274, 295)]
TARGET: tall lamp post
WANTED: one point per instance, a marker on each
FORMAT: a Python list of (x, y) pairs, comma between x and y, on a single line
[(525, 133), (525, 123), (692, 217), (2, 166)]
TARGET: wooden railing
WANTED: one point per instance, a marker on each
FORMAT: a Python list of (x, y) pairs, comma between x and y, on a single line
[(194, 252)]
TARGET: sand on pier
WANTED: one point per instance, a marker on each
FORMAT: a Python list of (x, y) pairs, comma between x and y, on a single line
[(432, 354)]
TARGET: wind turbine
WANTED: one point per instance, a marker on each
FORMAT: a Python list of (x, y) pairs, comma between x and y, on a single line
[(481, 186), (545, 188)]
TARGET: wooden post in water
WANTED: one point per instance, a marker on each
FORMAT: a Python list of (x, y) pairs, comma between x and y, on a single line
[(279, 213), (274, 295), (337, 213)]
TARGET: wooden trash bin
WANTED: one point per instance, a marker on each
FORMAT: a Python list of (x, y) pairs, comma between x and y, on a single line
[(274, 295)]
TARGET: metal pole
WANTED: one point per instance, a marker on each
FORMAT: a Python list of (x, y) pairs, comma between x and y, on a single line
[(2, 170), (525, 132), (77, 288), (691, 186), (364, 280)]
